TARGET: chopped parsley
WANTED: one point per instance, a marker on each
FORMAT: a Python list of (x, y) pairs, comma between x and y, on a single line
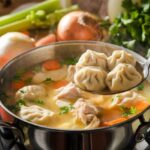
[(22, 91), (115, 97), (18, 105), (70, 61), (18, 75), (132, 28), (48, 81), (39, 102), (28, 81), (140, 87), (37, 68), (66, 109), (127, 111)]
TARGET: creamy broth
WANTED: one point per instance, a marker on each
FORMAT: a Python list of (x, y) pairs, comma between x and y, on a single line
[(111, 109)]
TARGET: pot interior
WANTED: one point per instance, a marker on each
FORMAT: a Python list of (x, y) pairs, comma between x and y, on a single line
[(60, 51)]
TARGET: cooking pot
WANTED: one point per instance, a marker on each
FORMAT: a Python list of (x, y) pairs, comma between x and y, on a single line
[(18, 132)]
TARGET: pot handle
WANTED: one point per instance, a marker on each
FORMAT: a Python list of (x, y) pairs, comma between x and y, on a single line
[(143, 132), (11, 137)]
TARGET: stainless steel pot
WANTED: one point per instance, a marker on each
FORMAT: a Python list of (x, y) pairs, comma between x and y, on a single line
[(118, 137)]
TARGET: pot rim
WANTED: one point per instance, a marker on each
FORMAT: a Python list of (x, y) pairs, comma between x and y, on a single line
[(70, 130)]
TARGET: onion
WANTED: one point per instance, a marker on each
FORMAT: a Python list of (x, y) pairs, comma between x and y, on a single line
[(78, 25)]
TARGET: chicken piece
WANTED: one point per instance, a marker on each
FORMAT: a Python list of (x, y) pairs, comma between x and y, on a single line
[(31, 92), (55, 75), (87, 113), (70, 91), (16, 43)]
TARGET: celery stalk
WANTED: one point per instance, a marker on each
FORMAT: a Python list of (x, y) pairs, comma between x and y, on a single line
[(24, 24), (48, 6), (20, 25)]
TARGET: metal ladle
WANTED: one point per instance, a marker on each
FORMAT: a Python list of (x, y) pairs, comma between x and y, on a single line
[(143, 69)]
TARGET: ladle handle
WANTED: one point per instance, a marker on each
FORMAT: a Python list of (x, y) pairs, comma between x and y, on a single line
[(143, 132), (11, 137)]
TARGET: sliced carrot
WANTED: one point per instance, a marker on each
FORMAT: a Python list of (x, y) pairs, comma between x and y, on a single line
[(118, 120), (51, 65), (46, 40), (59, 84), (5, 116), (18, 84), (141, 105)]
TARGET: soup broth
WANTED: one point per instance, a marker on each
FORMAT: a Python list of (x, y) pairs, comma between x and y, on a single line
[(44, 95)]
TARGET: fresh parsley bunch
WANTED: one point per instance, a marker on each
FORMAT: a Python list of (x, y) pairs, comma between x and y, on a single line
[(132, 28)]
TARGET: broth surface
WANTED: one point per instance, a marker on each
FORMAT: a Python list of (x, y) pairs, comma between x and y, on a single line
[(61, 112)]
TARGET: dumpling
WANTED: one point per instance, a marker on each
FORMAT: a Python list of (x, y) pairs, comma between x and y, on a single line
[(70, 73), (31, 92), (123, 77), (127, 99), (120, 56), (92, 58), (36, 114), (90, 78), (87, 113)]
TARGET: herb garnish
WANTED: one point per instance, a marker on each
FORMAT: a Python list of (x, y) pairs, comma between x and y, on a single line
[(22, 91), (18, 75), (37, 68), (132, 28), (66, 109), (140, 87), (48, 81), (126, 111), (70, 61), (115, 97), (28, 81), (39, 102), (18, 105)]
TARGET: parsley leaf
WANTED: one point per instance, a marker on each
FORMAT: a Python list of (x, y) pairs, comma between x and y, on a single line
[(39, 102), (126, 111), (37, 69), (18, 75), (70, 61), (140, 87), (28, 81), (132, 28), (66, 109), (48, 81), (18, 105)]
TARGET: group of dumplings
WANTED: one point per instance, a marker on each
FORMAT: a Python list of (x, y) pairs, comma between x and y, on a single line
[(95, 71)]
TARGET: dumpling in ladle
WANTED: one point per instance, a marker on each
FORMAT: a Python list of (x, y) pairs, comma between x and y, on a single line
[(123, 77)]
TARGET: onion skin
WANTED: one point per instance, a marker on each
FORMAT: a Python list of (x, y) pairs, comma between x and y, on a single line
[(78, 25)]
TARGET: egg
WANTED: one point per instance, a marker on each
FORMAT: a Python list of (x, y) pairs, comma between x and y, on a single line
[(16, 43)]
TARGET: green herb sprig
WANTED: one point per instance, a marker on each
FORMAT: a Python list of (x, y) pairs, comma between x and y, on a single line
[(140, 87), (66, 109), (70, 61), (127, 111), (132, 28)]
